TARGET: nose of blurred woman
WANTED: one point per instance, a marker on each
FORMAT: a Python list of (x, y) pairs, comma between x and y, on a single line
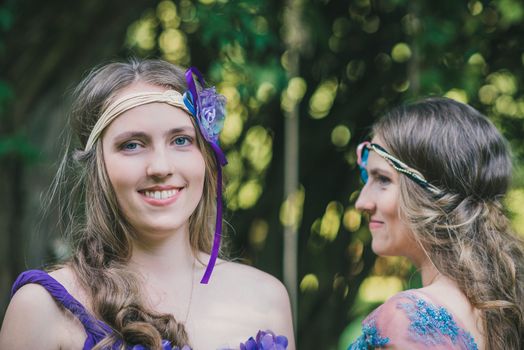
[(364, 202)]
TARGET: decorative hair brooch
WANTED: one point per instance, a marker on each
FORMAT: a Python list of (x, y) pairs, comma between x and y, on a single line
[(208, 109)]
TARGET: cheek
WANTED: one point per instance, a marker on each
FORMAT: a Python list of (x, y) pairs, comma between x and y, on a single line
[(197, 168), (389, 207), (121, 175)]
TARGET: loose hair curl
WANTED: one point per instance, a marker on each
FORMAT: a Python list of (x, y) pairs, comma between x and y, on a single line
[(465, 231), (101, 236)]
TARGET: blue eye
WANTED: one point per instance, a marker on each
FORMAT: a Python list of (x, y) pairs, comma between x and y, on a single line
[(182, 141), (130, 146), (383, 180)]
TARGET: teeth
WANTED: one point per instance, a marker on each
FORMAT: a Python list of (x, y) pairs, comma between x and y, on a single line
[(160, 194)]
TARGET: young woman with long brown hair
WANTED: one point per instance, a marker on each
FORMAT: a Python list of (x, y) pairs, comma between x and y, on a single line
[(147, 183)]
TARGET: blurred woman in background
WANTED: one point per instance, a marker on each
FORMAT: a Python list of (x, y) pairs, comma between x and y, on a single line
[(435, 173)]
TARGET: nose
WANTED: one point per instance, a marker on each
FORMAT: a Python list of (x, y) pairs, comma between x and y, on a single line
[(365, 202), (159, 165)]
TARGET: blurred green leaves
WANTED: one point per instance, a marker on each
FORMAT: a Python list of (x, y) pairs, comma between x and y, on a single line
[(18, 145)]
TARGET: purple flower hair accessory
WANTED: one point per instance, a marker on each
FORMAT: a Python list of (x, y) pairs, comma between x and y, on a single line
[(208, 109), (265, 341), (213, 113)]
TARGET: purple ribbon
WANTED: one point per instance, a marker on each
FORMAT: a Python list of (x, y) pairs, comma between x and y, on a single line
[(221, 161)]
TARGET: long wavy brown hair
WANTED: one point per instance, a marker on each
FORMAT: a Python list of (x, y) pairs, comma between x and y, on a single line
[(101, 236), (465, 231)]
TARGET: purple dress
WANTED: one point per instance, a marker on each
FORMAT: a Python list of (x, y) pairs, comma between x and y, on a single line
[(96, 330)]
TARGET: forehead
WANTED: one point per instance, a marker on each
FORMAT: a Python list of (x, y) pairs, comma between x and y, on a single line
[(376, 162), (151, 116), (139, 86)]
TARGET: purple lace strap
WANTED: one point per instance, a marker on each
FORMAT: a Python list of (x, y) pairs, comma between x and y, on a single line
[(95, 329)]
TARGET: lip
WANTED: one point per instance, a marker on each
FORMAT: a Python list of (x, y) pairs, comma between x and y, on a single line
[(161, 202), (374, 224)]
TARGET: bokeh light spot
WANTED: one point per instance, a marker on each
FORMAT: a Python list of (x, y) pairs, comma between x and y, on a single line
[(514, 201), (401, 52), (309, 283), (352, 219), (457, 95), (257, 148), (377, 289), (291, 209), (340, 135), (249, 193), (258, 233), (322, 100)]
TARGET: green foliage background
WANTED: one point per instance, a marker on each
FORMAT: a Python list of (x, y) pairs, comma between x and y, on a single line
[(356, 59)]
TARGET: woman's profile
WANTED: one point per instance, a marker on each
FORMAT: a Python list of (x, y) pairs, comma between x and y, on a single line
[(147, 228), (435, 173)]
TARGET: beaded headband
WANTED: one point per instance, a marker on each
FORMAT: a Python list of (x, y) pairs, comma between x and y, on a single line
[(208, 110), (398, 165)]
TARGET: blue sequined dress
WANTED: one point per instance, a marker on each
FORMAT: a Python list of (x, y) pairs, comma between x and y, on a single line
[(409, 321)]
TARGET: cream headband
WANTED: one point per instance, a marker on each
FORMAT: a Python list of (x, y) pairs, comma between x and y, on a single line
[(125, 103)]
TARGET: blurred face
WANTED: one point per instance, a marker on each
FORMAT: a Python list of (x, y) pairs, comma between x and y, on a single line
[(379, 199), (154, 165)]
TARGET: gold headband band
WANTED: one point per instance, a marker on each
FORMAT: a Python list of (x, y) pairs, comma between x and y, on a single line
[(125, 103)]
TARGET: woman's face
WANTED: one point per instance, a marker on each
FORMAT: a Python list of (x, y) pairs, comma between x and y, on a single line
[(154, 165), (379, 199)]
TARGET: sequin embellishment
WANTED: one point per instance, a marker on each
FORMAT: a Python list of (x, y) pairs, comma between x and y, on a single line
[(429, 325), (370, 337), (432, 325)]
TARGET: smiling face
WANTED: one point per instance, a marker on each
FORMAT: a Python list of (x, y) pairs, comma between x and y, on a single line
[(379, 199), (154, 165)]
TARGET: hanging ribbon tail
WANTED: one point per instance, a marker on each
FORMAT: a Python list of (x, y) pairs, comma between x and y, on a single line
[(218, 224), (219, 155)]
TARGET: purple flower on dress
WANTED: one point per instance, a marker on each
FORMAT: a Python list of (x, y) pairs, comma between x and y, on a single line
[(212, 113), (265, 341)]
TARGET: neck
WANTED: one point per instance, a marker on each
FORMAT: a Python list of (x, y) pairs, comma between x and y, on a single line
[(171, 256), (428, 272)]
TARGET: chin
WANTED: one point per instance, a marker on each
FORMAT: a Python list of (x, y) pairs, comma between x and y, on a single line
[(160, 229), (379, 249)]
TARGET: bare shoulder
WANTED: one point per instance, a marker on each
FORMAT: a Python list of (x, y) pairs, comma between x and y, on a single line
[(260, 299), (29, 315), (262, 286), (27, 319)]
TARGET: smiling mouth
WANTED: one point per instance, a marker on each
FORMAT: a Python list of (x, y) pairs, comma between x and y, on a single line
[(165, 194)]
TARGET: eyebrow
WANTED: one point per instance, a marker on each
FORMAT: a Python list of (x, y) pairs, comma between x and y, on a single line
[(183, 129), (380, 171), (142, 135)]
